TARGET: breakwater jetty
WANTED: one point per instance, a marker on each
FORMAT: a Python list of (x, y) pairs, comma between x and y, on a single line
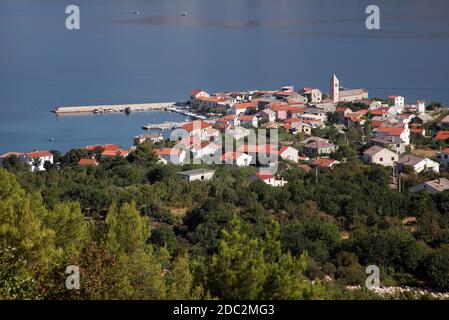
[(115, 108)]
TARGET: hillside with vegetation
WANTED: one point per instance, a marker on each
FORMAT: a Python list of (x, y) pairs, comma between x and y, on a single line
[(138, 231)]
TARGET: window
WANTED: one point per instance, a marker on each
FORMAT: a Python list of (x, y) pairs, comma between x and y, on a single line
[(392, 158), (381, 159)]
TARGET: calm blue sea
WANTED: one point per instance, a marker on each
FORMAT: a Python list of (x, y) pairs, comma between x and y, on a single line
[(159, 55)]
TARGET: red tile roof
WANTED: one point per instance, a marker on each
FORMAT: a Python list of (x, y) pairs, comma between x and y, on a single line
[(442, 135), (39, 154), (292, 120), (168, 151), (323, 162), (246, 117), (195, 92), (245, 105), (264, 175), (109, 147), (376, 123), (391, 131), (88, 162), (282, 149), (195, 125)]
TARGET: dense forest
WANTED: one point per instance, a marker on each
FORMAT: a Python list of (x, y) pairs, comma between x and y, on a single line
[(138, 231)]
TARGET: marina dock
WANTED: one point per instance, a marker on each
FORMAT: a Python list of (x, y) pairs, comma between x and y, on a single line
[(163, 126), (116, 108)]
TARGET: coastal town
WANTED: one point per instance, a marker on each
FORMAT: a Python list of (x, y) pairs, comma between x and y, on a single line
[(316, 131)]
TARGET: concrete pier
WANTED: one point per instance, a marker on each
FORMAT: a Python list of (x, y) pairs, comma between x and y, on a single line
[(163, 126), (116, 108)]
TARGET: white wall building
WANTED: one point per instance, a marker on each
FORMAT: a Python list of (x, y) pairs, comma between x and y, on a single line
[(381, 156), (396, 101), (418, 164)]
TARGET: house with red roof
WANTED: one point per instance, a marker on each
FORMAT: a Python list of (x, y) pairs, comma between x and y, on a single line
[(88, 162), (108, 150), (441, 136), (289, 153), (204, 148), (401, 132), (396, 101), (213, 102), (313, 95), (323, 162), (229, 120), (244, 108), (268, 178), (104, 147), (248, 120), (37, 159), (197, 128), (171, 155), (114, 154), (197, 93)]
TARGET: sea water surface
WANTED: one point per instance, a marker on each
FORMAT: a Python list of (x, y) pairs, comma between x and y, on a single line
[(160, 55)]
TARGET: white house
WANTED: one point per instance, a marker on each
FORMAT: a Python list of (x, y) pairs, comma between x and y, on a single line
[(249, 120), (37, 159), (268, 115), (418, 164), (268, 178), (238, 133), (289, 153), (204, 148), (197, 175), (243, 108), (197, 128), (381, 156), (237, 158), (403, 133), (396, 101), (198, 93), (171, 155), (313, 95)]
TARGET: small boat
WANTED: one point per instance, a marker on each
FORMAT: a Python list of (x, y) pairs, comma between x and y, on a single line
[(51, 139), (136, 12), (184, 14)]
